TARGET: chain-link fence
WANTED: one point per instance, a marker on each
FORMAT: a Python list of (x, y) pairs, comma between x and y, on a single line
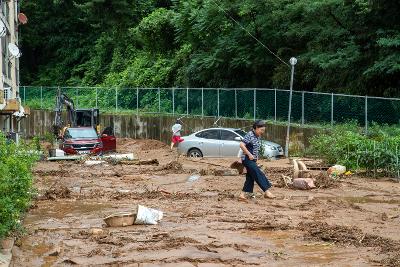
[(241, 103)]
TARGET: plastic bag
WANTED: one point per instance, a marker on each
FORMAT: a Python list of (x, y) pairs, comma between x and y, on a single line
[(148, 216), (303, 183), (336, 170)]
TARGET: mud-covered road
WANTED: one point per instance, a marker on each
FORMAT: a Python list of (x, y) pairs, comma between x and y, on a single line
[(354, 222)]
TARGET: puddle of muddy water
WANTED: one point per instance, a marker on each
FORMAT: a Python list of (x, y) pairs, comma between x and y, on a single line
[(62, 209), (295, 250)]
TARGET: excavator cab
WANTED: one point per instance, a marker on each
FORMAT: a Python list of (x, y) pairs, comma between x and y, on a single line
[(88, 118)]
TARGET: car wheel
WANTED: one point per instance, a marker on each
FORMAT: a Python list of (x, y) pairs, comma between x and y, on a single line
[(195, 153)]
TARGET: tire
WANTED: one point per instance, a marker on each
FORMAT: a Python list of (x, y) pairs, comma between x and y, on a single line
[(195, 153)]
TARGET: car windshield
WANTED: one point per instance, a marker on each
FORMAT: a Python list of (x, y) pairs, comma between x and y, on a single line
[(80, 133), (241, 133)]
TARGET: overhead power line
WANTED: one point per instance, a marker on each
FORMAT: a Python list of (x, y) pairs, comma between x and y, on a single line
[(249, 33)]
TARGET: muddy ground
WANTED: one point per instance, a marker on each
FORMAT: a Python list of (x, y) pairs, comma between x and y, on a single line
[(354, 222)]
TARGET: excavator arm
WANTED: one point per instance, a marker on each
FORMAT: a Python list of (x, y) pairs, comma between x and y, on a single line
[(61, 101)]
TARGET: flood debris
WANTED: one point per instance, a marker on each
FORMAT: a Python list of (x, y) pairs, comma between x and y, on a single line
[(303, 183), (347, 236), (94, 162), (143, 215), (153, 162), (323, 181), (120, 219), (300, 170), (64, 158), (194, 177), (118, 157), (148, 216), (305, 179), (56, 191), (173, 166), (336, 170)]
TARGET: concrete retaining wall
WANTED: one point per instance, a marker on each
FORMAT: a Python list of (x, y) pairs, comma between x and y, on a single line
[(159, 126)]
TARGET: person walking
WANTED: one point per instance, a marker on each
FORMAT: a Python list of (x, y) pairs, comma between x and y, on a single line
[(250, 147), (176, 133)]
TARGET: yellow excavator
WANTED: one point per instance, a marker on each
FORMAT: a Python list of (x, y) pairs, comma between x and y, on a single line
[(75, 117)]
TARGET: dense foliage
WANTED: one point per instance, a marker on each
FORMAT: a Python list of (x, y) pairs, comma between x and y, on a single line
[(16, 162), (377, 153), (342, 45)]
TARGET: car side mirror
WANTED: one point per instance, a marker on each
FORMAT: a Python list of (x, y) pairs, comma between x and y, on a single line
[(237, 138)]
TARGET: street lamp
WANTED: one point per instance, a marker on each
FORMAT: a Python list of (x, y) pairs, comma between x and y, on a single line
[(293, 62)]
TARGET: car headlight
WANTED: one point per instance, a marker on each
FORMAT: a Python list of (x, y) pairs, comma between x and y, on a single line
[(271, 147), (68, 146)]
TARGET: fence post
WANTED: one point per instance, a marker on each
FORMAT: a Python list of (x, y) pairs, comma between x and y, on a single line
[(97, 98), (76, 97), (302, 108), (254, 103), (366, 114), (202, 102), (41, 97), (137, 101), (374, 159), (187, 100), (397, 163), (159, 100), (116, 99), (332, 96), (173, 101), (236, 104), (218, 102), (275, 105)]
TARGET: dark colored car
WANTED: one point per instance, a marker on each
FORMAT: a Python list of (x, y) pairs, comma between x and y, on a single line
[(85, 140)]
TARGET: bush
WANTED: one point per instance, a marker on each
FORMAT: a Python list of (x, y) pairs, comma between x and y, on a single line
[(16, 162), (376, 153)]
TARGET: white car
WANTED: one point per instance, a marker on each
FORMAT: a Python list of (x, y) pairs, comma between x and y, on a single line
[(221, 143)]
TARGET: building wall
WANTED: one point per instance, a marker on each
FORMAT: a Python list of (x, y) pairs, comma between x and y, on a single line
[(9, 66)]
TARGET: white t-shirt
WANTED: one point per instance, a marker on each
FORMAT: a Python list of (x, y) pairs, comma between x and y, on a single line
[(176, 129)]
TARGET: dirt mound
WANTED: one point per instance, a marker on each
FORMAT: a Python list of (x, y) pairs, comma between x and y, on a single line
[(152, 145), (57, 192), (126, 144)]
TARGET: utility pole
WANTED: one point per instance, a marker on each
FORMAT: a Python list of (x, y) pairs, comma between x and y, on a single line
[(293, 62)]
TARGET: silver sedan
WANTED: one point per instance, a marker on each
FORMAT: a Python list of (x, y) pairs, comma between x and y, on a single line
[(221, 143)]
